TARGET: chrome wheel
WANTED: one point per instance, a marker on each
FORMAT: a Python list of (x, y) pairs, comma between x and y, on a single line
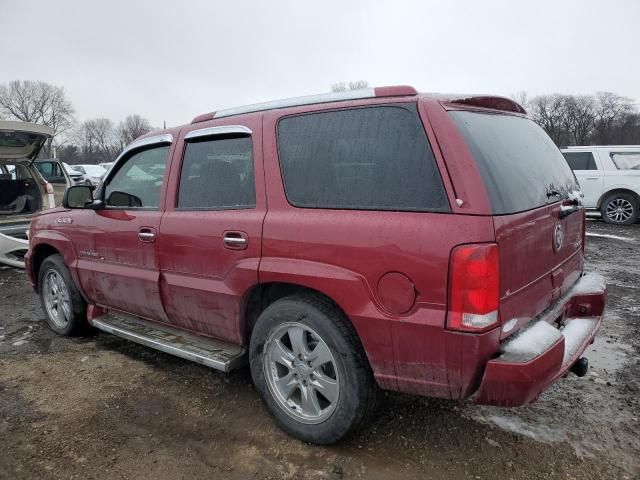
[(56, 299), (619, 210), (301, 373)]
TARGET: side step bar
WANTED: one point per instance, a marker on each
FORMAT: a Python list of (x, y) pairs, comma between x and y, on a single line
[(204, 350)]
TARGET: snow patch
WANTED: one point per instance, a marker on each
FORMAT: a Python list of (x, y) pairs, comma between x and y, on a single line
[(612, 237), (534, 340), (574, 334), (589, 283)]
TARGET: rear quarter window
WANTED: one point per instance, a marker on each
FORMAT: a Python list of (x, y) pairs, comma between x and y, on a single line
[(372, 158), (626, 160), (521, 167), (580, 160)]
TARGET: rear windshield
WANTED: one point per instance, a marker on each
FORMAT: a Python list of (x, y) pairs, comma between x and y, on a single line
[(521, 166)]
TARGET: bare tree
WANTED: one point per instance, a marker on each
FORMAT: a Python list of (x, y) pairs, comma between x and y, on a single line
[(131, 128), (37, 102), (97, 140), (549, 111), (344, 86), (522, 97), (579, 118), (610, 113)]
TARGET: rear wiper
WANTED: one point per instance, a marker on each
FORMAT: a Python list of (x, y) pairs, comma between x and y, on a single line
[(554, 193)]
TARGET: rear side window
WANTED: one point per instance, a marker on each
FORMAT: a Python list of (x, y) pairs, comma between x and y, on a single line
[(626, 160), (375, 158), (521, 166), (217, 174), (580, 160)]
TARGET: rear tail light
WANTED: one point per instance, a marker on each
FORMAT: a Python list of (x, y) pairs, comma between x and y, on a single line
[(49, 189), (473, 288)]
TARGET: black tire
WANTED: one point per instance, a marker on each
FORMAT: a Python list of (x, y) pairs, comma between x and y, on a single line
[(358, 392), (627, 202), (77, 321)]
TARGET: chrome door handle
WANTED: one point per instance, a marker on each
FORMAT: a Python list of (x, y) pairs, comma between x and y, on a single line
[(235, 240), (146, 236)]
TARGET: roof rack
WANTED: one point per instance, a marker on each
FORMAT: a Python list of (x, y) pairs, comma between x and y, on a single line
[(394, 91)]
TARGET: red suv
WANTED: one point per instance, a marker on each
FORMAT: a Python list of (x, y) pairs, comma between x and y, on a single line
[(339, 243)]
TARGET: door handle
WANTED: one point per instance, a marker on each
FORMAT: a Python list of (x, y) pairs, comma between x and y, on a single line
[(147, 235), (235, 240)]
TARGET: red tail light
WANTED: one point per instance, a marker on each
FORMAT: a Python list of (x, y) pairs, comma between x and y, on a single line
[(473, 288)]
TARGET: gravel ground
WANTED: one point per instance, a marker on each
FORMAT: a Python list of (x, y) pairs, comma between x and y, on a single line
[(100, 407)]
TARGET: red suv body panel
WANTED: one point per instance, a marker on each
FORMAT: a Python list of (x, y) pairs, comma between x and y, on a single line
[(387, 271)]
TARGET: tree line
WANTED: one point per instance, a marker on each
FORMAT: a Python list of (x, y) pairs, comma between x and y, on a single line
[(604, 118), (90, 141)]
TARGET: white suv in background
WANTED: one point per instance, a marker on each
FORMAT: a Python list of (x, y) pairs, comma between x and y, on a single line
[(609, 177)]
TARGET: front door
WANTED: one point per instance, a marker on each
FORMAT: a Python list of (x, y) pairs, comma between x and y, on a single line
[(125, 274), (210, 235)]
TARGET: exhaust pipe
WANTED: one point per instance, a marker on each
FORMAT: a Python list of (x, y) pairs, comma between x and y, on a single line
[(581, 367)]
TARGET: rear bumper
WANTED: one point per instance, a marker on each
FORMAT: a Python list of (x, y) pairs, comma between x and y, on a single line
[(545, 351)]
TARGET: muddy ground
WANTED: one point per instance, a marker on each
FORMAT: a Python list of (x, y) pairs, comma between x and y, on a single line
[(100, 407)]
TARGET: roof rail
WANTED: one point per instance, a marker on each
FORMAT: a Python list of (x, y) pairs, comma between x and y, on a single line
[(393, 91)]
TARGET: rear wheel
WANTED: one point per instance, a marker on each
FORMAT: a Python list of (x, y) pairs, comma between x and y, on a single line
[(64, 307), (310, 370), (620, 209)]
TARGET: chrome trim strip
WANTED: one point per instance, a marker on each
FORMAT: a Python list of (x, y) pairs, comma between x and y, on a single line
[(297, 101), (165, 347), (221, 130)]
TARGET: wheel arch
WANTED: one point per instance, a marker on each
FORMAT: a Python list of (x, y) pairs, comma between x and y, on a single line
[(47, 243), (617, 190)]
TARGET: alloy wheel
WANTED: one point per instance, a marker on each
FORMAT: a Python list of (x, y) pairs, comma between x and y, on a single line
[(619, 210), (301, 373), (56, 299)]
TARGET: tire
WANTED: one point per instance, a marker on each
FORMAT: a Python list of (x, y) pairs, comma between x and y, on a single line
[(88, 183), (620, 209), (54, 275), (322, 325)]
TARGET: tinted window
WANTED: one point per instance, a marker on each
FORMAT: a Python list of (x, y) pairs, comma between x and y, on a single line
[(138, 182), (49, 169), (217, 174), (521, 166), (580, 160), (369, 159), (626, 160)]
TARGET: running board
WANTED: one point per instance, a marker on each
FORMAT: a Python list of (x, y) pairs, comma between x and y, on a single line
[(204, 350)]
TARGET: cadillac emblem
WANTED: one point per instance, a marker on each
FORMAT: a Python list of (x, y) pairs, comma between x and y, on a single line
[(558, 236)]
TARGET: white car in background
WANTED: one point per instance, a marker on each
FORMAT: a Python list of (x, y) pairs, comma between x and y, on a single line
[(95, 173), (77, 176), (609, 178)]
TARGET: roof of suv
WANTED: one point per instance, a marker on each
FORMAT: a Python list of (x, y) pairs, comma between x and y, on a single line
[(481, 101), (592, 147)]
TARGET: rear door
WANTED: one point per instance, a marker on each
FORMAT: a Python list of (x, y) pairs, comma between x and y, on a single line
[(53, 172), (211, 234), (589, 174), (538, 228)]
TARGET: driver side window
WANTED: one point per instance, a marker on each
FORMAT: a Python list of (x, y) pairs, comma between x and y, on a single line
[(138, 182)]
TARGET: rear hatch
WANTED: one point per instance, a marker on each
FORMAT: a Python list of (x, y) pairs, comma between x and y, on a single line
[(538, 222), (22, 141)]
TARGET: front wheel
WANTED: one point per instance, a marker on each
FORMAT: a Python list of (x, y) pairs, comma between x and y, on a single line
[(309, 367), (64, 307), (620, 209)]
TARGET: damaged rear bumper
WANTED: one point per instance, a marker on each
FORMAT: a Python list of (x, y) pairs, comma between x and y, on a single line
[(13, 245), (545, 351)]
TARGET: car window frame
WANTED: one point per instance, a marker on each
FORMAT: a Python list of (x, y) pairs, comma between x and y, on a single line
[(144, 144), (214, 133), (413, 107)]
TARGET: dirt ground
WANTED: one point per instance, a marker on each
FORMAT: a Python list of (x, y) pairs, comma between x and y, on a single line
[(100, 407)]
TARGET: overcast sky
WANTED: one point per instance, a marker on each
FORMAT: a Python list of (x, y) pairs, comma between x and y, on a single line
[(173, 60)]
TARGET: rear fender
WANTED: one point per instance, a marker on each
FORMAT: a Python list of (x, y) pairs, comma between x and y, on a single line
[(351, 292)]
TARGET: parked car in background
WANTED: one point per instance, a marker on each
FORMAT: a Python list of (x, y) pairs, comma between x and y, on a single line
[(609, 178), (54, 172), (94, 173), (77, 177), (23, 190), (340, 243), (106, 165)]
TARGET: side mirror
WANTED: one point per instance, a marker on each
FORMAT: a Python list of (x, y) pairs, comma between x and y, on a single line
[(78, 196)]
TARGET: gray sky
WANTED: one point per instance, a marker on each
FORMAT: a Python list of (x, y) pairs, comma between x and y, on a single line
[(173, 60)]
